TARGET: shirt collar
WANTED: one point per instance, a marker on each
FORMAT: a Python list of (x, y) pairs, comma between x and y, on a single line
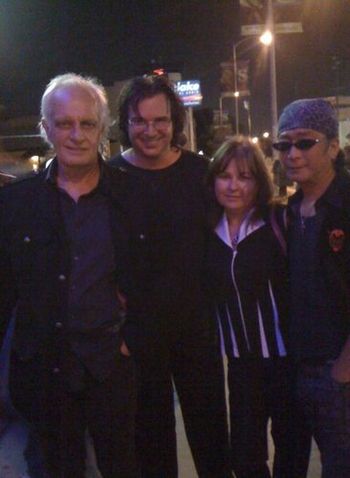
[(103, 182), (247, 227), (332, 195)]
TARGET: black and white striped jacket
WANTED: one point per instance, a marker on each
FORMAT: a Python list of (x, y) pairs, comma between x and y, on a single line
[(247, 286)]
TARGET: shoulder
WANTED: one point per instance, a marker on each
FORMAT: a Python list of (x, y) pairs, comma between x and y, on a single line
[(198, 160), (277, 211), (21, 199), (194, 164), (336, 200), (343, 186), (112, 169), (116, 161), (21, 187), (276, 218)]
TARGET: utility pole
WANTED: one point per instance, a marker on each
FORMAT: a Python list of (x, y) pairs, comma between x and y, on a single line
[(273, 82)]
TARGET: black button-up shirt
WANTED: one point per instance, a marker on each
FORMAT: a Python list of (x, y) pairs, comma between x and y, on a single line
[(92, 299)]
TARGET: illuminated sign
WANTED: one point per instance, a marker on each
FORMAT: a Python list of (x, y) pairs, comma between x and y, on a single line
[(190, 92)]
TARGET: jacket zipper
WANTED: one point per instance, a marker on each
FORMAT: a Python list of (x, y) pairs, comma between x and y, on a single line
[(239, 300)]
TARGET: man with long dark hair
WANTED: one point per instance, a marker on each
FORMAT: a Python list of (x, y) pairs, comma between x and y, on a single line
[(168, 330)]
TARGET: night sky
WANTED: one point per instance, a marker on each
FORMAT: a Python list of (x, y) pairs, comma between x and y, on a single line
[(114, 40)]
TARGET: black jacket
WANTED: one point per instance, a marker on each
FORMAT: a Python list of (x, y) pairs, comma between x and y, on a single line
[(248, 288), (333, 252), (35, 268)]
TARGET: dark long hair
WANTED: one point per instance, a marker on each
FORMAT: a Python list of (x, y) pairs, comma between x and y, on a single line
[(242, 150), (146, 87)]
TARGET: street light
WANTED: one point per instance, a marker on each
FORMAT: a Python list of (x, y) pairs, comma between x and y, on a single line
[(266, 39), (273, 81)]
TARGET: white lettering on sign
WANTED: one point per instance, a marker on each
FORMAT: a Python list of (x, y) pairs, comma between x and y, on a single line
[(188, 87), (190, 92)]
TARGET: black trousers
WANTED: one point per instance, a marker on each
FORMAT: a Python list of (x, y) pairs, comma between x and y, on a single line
[(260, 389), (195, 368), (59, 417)]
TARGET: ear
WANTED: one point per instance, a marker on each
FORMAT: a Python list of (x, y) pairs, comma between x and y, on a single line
[(46, 127), (334, 148)]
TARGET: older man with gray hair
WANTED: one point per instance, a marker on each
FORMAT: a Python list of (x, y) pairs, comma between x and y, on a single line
[(61, 248), (319, 257)]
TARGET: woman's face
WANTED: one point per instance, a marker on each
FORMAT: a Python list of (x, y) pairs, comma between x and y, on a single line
[(236, 188)]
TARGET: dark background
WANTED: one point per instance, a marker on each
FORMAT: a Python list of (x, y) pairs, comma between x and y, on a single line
[(115, 40)]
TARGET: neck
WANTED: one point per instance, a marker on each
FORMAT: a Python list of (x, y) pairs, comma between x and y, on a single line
[(234, 221), (314, 190), (160, 162), (77, 181)]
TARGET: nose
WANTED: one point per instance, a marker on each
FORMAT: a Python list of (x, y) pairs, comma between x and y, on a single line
[(76, 133), (293, 152), (149, 127), (232, 184)]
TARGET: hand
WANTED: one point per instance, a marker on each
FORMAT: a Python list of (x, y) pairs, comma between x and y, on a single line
[(122, 300), (124, 349), (341, 370)]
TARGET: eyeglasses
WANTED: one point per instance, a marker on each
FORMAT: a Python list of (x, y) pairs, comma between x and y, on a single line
[(140, 124), (302, 144)]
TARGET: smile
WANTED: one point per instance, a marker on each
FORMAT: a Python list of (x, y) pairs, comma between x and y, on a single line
[(295, 169), (76, 150), (151, 140)]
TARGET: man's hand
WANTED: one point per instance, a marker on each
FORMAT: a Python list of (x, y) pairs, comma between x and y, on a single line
[(122, 300), (124, 350), (341, 368), (340, 371)]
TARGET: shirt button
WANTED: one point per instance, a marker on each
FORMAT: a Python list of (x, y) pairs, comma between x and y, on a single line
[(26, 239), (62, 277), (142, 237), (56, 370), (76, 258), (58, 325)]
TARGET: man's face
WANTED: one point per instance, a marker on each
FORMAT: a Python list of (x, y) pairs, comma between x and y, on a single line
[(74, 128), (309, 166), (151, 138)]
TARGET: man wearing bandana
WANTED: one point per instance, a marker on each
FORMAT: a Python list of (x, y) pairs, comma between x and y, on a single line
[(318, 223)]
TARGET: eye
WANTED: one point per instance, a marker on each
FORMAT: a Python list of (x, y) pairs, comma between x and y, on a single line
[(223, 175), (245, 175), (137, 122), (63, 124), (162, 122), (89, 124)]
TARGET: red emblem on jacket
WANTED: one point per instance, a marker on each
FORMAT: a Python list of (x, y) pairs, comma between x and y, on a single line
[(336, 239)]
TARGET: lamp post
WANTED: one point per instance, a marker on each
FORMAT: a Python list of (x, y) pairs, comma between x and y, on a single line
[(266, 39), (273, 82), (236, 92)]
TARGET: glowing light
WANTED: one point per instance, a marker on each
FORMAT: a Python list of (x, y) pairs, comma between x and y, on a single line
[(255, 139), (266, 134), (159, 71), (266, 38), (35, 160)]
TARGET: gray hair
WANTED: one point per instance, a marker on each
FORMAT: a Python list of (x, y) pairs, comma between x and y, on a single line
[(90, 85)]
